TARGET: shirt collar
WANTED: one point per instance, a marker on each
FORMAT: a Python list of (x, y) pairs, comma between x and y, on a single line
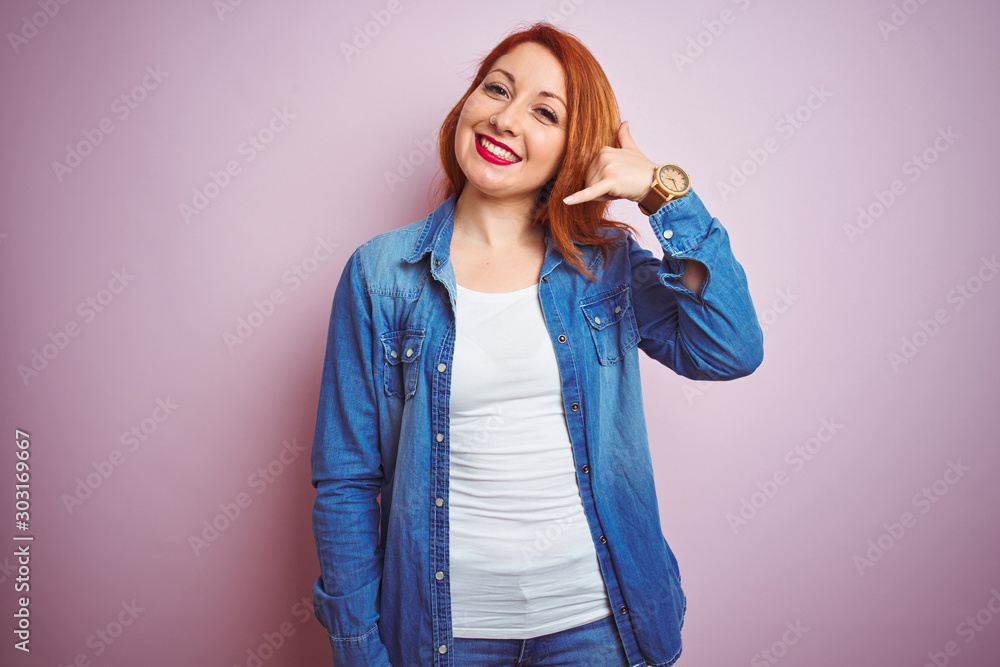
[(435, 233)]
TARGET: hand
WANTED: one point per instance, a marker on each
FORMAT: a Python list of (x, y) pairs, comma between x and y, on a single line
[(617, 173)]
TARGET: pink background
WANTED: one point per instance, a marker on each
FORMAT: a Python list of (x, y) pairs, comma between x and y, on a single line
[(834, 309)]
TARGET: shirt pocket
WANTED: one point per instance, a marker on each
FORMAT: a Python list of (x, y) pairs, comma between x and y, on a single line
[(402, 352), (612, 323)]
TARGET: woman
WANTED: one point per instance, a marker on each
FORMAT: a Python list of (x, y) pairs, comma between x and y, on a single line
[(482, 375)]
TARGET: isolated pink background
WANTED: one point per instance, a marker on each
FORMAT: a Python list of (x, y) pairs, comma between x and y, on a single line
[(833, 309)]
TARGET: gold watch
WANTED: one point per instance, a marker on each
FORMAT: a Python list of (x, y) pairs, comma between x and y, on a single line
[(669, 183)]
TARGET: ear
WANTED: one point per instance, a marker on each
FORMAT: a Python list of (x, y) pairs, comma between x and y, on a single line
[(546, 192)]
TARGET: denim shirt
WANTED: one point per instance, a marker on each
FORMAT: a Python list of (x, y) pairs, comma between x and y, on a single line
[(382, 424)]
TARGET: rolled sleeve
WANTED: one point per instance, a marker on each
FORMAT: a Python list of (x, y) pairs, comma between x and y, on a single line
[(709, 335)]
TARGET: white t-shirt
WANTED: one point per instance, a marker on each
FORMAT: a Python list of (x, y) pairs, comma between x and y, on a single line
[(522, 559)]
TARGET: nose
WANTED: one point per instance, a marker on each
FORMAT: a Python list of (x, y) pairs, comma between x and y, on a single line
[(505, 120)]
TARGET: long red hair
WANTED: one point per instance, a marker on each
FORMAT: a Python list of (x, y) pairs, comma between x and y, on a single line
[(592, 124)]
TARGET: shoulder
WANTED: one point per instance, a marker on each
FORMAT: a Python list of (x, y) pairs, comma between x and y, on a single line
[(388, 247), (401, 237), (381, 261), (614, 238)]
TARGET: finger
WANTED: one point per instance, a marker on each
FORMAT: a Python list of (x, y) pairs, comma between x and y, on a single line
[(625, 139), (588, 194), (593, 176), (595, 170)]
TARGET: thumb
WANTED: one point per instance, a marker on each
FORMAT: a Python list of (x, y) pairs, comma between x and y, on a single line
[(625, 139)]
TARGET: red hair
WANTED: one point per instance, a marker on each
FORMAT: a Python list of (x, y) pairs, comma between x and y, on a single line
[(593, 121)]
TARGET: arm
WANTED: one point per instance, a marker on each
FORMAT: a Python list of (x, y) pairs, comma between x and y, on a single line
[(706, 333), (693, 308), (347, 473)]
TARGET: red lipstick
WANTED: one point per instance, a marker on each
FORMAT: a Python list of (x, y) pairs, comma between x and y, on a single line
[(490, 157)]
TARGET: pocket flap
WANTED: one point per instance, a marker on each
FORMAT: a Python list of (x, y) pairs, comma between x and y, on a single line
[(402, 346), (606, 309)]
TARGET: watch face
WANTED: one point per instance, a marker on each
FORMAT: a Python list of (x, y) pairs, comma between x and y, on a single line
[(673, 178)]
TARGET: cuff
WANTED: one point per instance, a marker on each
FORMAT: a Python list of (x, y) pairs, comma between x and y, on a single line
[(683, 227)]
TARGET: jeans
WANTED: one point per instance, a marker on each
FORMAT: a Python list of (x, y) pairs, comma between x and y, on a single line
[(594, 644)]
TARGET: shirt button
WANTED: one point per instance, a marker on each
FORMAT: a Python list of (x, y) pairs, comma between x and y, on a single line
[(585, 469), (439, 501), (392, 353), (443, 648), (439, 437), (437, 262), (597, 320), (623, 609), (574, 407), (545, 279), (442, 367), (439, 575), (561, 339), (668, 233), (618, 309), (409, 352), (602, 539)]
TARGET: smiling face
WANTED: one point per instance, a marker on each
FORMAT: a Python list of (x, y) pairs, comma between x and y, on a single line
[(526, 91)]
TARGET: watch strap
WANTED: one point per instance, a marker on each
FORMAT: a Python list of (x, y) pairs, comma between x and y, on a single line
[(652, 202)]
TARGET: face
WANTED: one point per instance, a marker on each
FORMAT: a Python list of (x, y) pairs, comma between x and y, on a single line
[(526, 91)]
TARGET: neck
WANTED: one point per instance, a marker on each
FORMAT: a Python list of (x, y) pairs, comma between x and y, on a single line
[(494, 222)]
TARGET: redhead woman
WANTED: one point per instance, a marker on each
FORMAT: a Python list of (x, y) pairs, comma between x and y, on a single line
[(484, 483)]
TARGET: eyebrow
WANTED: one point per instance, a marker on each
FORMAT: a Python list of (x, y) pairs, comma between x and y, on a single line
[(544, 93)]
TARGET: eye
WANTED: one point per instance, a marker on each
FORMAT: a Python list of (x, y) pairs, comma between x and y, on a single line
[(495, 88), (550, 114)]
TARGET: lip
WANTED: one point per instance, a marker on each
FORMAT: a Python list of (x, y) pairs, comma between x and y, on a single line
[(490, 157)]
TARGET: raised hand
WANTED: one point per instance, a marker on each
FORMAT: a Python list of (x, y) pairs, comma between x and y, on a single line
[(617, 173)]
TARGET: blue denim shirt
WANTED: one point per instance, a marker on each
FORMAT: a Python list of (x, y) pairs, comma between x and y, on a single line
[(382, 424)]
